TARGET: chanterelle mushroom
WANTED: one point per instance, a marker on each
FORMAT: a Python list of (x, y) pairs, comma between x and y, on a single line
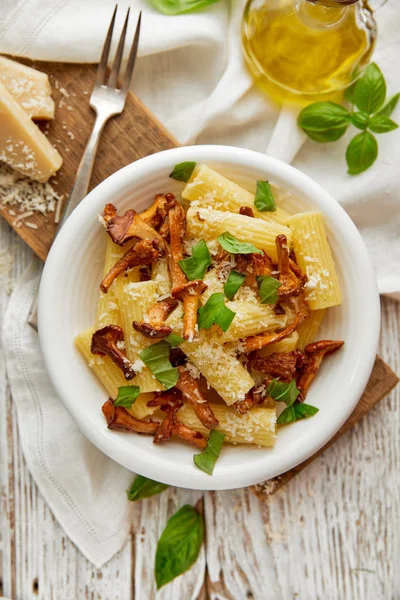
[(119, 419), (187, 291), (143, 253), (253, 266), (105, 342), (281, 364), (315, 353), (170, 403), (122, 228), (191, 392), (256, 342), (157, 214), (253, 398), (290, 284), (155, 326)]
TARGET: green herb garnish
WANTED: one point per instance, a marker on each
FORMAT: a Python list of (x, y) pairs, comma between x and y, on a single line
[(178, 7), (264, 199), (233, 283), (206, 460), (182, 171), (328, 121), (179, 545), (142, 487), (156, 357), (215, 311), (235, 246), (174, 340), (295, 412), (268, 289), (196, 265), (127, 395), (281, 391)]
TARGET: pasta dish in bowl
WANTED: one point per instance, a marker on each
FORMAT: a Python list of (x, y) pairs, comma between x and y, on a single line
[(218, 301)]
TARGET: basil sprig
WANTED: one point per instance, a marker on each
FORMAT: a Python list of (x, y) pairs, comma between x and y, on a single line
[(142, 487), (235, 246), (182, 171), (264, 199), (127, 395), (281, 391), (215, 311), (156, 357), (196, 265), (179, 545), (295, 412), (233, 283), (178, 7), (206, 460), (174, 340), (268, 289), (328, 121)]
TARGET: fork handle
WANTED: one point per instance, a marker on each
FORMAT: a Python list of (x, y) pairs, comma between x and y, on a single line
[(84, 173), (78, 192)]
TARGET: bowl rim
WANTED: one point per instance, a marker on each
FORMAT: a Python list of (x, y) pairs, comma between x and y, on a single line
[(316, 194)]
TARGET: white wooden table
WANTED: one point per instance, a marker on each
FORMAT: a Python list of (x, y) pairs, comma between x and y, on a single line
[(329, 534)]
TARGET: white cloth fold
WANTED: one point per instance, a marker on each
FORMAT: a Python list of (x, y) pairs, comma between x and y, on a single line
[(191, 74)]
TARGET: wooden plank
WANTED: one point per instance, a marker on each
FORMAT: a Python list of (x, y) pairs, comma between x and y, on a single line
[(381, 382), (132, 135)]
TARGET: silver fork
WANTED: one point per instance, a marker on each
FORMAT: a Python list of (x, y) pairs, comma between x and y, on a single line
[(107, 100)]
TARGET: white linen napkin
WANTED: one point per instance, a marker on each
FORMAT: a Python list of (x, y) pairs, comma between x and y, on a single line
[(191, 74)]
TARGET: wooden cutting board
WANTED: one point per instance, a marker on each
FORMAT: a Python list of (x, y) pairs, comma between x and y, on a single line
[(134, 134)]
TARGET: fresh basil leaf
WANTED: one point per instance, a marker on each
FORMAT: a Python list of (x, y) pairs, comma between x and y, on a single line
[(235, 246), (268, 289), (215, 311), (361, 153), (360, 120), (178, 7), (206, 460), (382, 124), (156, 357), (295, 412), (281, 391), (179, 545), (370, 90), (324, 121), (182, 171), (264, 199), (389, 107), (174, 340), (196, 265), (127, 395), (233, 283), (142, 487), (349, 92)]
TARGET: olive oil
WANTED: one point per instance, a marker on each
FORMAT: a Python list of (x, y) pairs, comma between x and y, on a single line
[(299, 49)]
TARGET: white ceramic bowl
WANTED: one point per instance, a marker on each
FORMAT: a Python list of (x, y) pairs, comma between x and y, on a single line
[(67, 305)]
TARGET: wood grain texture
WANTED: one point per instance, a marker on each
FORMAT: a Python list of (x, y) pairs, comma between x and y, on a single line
[(132, 135)]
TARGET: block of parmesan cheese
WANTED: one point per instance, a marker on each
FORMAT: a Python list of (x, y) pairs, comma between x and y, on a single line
[(22, 145), (31, 88)]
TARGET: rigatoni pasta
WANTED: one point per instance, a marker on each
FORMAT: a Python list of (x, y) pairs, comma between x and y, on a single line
[(314, 257), (213, 333), (210, 189)]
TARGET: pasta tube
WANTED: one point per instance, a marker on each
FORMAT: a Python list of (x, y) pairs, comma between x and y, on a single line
[(315, 259), (135, 299), (160, 275), (309, 328), (211, 189), (252, 319), (208, 223), (107, 307), (110, 376), (286, 345), (258, 426), (216, 363)]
